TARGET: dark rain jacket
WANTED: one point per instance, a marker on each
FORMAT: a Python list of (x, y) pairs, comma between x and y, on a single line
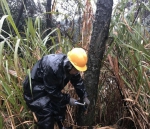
[(48, 77)]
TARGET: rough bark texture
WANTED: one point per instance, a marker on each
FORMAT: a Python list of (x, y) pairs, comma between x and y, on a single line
[(95, 55)]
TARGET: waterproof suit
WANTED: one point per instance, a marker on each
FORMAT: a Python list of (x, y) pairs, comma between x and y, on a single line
[(44, 97)]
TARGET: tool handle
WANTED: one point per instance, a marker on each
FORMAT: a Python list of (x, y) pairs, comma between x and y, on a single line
[(78, 103)]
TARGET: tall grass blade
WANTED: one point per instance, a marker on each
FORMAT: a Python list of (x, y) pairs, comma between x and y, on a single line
[(2, 21), (16, 61), (1, 53)]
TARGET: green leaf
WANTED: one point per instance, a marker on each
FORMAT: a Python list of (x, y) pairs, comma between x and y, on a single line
[(2, 21)]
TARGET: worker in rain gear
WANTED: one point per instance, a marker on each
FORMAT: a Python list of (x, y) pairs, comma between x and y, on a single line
[(48, 77)]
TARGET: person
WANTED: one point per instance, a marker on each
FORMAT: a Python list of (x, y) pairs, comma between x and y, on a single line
[(42, 88)]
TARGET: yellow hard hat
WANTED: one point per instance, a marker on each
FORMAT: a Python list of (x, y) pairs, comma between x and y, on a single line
[(78, 58)]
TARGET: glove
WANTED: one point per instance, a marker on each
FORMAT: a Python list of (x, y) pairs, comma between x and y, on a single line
[(86, 100), (72, 102)]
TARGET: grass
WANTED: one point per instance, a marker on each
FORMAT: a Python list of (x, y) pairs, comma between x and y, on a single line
[(18, 53), (124, 81), (127, 67)]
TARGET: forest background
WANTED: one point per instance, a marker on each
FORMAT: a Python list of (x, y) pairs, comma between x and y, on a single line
[(116, 38)]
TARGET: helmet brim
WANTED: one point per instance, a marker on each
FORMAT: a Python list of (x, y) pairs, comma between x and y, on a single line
[(82, 69)]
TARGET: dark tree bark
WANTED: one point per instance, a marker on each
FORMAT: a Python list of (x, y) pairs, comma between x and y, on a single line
[(95, 55), (20, 12), (49, 20)]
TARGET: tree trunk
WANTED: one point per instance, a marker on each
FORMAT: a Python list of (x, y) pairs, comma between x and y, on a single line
[(49, 20), (95, 55), (20, 12)]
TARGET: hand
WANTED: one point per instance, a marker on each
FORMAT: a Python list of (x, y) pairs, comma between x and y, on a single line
[(72, 102), (86, 100)]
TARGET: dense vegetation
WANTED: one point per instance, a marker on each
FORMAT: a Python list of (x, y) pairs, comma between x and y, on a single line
[(124, 85)]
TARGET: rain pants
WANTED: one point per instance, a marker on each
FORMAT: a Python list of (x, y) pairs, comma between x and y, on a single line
[(43, 96)]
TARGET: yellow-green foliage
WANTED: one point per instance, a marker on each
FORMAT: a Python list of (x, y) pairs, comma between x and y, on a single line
[(18, 53), (129, 59)]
